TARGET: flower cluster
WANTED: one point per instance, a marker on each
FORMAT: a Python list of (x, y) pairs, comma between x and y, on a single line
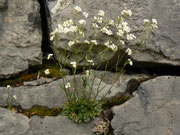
[(68, 85), (126, 13), (110, 45), (105, 37), (153, 23)]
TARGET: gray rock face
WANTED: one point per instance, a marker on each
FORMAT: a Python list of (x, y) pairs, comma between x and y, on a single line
[(153, 111), (59, 125), (16, 124), (163, 46), (3, 4), (20, 36), (13, 123), (50, 94), (120, 80)]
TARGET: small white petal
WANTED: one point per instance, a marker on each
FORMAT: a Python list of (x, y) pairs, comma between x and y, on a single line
[(74, 64), (70, 43), (68, 85), (49, 56), (91, 61), (129, 51), (47, 71), (154, 21), (82, 21), (101, 13), (130, 62), (87, 73), (85, 14), (77, 8), (14, 96), (146, 21), (94, 42)]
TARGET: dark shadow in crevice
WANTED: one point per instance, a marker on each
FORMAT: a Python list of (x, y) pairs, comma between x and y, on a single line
[(156, 69), (45, 17)]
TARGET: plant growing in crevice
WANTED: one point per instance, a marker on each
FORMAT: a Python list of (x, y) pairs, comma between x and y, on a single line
[(9, 104), (83, 98)]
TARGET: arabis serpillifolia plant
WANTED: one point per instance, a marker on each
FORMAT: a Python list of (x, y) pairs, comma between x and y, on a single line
[(82, 104)]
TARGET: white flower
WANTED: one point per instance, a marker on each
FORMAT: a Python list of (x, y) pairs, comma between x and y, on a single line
[(101, 13), (86, 41), (66, 30), (68, 85), (60, 28), (68, 23), (49, 56), (126, 29), (85, 14), (131, 36), (74, 64), (47, 71), (73, 28), (111, 22), (129, 12), (124, 23), (81, 33), (94, 42), (130, 62), (77, 8), (129, 51), (52, 37), (14, 96), (121, 42), (104, 30), (106, 43), (154, 26), (126, 12), (113, 47), (87, 73), (119, 26), (99, 20), (94, 25), (65, 24), (109, 32), (82, 21), (95, 18), (70, 43), (146, 21), (8, 86), (91, 61), (154, 21), (120, 33)]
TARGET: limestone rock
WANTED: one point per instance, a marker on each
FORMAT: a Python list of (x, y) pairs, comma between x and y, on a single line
[(59, 125), (153, 111), (50, 94), (162, 47), (13, 123), (20, 36)]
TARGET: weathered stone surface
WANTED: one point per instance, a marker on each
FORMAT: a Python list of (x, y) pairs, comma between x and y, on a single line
[(13, 123), (51, 94), (57, 5), (120, 80), (20, 36), (3, 4), (38, 82), (163, 47), (59, 125), (153, 111)]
